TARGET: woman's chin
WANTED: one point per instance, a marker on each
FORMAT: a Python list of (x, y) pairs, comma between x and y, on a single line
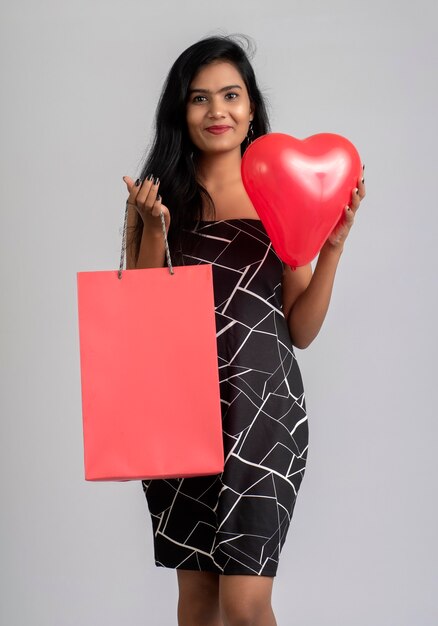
[(219, 148)]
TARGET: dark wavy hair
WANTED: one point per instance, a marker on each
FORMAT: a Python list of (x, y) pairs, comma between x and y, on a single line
[(172, 155)]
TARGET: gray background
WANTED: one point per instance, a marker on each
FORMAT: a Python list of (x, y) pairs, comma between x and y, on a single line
[(80, 82)]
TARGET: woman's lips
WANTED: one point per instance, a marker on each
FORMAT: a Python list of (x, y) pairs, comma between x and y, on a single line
[(218, 130)]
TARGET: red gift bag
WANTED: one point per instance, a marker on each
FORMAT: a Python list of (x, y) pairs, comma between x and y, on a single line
[(149, 373)]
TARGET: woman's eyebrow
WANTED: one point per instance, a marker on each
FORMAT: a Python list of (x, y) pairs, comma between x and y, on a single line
[(220, 90)]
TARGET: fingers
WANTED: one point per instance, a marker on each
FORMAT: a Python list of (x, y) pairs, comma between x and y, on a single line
[(358, 193), (143, 195), (156, 209), (147, 193), (361, 185), (340, 232), (128, 181), (349, 216), (133, 188), (355, 199)]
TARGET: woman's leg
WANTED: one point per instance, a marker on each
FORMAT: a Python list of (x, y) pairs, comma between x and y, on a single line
[(198, 603), (246, 600)]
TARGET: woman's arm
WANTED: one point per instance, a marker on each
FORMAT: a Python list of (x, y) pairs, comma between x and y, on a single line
[(306, 297), (151, 253), (305, 307)]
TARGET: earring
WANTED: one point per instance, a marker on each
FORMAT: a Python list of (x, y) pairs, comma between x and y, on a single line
[(250, 135)]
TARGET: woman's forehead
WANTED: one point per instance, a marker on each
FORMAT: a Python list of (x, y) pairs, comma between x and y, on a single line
[(216, 75)]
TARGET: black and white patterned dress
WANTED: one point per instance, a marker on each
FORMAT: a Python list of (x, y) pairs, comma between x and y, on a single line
[(236, 522)]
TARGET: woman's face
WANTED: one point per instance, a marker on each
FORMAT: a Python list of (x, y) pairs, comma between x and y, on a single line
[(218, 98)]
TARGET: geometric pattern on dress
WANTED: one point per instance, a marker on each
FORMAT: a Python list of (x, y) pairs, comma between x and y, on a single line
[(236, 522)]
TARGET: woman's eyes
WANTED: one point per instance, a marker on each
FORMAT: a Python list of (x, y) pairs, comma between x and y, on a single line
[(203, 98)]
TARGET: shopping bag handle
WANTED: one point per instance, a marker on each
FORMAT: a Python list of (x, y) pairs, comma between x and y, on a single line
[(166, 245)]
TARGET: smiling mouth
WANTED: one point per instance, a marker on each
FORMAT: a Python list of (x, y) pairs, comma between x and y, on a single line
[(218, 130)]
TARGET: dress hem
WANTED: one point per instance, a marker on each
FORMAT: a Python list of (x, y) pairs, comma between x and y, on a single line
[(211, 570)]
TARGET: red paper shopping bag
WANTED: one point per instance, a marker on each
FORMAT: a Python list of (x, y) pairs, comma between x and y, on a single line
[(149, 373)]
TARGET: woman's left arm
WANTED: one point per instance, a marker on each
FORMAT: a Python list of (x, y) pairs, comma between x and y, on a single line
[(306, 297)]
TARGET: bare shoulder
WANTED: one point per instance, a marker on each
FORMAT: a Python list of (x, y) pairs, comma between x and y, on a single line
[(294, 283)]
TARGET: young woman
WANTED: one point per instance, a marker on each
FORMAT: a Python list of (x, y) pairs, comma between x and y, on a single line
[(223, 534)]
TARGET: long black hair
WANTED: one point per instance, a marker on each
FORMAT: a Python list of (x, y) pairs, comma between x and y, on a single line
[(172, 154)]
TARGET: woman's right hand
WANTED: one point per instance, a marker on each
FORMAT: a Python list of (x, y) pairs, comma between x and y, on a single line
[(143, 196)]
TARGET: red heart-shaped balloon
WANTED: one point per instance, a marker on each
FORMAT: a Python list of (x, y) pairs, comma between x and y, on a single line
[(299, 188)]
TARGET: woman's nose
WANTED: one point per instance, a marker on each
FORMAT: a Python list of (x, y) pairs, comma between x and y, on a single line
[(216, 109)]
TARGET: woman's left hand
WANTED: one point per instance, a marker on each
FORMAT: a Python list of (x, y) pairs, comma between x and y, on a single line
[(340, 232)]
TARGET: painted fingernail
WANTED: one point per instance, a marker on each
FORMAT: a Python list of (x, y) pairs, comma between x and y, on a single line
[(348, 208), (363, 167), (137, 182), (150, 177), (156, 181), (158, 198), (356, 191)]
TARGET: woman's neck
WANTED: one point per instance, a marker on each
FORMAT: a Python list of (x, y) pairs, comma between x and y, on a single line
[(217, 171)]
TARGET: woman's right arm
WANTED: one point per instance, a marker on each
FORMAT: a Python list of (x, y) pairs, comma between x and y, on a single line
[(151, 253), (144, 204)]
